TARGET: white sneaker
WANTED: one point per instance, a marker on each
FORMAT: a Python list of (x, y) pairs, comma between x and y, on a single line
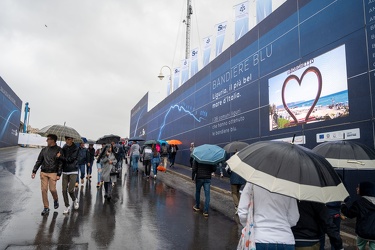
[(76, 204), (67, 210), (154, 176)]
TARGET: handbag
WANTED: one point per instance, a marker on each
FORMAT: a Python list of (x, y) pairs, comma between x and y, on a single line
[(247, 240), (161, 168)]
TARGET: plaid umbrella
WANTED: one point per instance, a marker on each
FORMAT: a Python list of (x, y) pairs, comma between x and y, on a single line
[(61, 131), (289, 169)]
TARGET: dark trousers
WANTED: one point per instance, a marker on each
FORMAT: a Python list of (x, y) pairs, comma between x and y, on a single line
[(147, 164), (68, 182)]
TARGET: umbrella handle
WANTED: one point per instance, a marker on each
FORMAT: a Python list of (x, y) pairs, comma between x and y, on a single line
[(355, 162)]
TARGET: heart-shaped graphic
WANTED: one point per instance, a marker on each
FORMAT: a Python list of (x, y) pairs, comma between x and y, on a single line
[(314, 70)]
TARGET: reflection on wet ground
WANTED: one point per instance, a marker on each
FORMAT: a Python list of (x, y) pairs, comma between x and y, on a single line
[(143, 214)]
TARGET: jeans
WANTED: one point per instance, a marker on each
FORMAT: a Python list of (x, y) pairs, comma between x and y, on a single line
[(206, 183), (273, 246), (81, 170), (135, 159), (155, 167), (108, 188), (99, 167), (89, 168)]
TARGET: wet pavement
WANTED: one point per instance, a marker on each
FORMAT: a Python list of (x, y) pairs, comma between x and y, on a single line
[(143, 213)]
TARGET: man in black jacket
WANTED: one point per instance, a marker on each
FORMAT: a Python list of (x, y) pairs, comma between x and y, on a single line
[(70, 172), (314, 221), (202, 175), (50, 171)]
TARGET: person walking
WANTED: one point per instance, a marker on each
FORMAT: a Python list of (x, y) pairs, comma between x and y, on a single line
[(50, 171), (164, 154), (236, 182), (201, 174), (172, 155), (314, 222), (273, 216), (147, 156), (69, 173), (108, 162), (90, 161), (134, 155), (99, 155), (364, 210), (155, 161), (82, 161), (191, 153)]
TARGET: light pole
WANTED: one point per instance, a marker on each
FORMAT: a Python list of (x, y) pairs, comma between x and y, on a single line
[(161, 76)]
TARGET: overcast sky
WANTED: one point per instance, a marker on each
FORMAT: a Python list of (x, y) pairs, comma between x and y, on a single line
[(88, 62)]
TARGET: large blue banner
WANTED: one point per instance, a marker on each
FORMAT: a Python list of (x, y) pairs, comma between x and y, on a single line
[(10, 115), (305, 70)]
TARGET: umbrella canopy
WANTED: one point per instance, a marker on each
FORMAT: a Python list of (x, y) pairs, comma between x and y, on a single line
[(347, 154), (89, 141), (108, 139), (61, 131), (235, 146), (208, 154), (289, 169), (162, 141), (174, 142), (151, 142), (136, 138)]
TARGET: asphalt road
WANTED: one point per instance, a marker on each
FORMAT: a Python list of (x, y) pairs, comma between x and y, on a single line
[(143, 214)]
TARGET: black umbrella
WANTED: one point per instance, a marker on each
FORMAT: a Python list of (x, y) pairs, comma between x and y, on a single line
[(108, 139), (235, 146), (347, 154), (151, 142), (289, 169), (136, 138)]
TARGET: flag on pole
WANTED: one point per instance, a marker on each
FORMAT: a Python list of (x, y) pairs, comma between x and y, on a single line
[(264, 8), (220, 35), (242, 19), (176, 79), (207, 43), (184, 70), (193, 62)]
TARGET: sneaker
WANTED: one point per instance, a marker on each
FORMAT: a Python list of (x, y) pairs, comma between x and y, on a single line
[(213, 174), (76, 204), (67, 210), (221, 175), (82, 181), (45, 211), (98, 185), (113, 184), (205, 214), (76, 184), (56, 204), (154, 176), (196, 209)]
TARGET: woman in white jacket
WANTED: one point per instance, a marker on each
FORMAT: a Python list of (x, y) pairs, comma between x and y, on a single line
[(274, 215), (107, 162)]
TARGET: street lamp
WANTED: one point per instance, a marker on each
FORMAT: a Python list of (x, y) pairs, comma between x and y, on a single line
[(161, 76)]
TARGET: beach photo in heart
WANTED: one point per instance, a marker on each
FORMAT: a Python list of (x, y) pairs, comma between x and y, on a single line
[(312, 90)]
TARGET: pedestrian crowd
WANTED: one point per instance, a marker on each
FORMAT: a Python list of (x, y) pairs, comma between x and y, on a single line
[(270, 220)]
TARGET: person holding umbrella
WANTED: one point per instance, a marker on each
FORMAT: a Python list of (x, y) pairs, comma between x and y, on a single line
[(364, 210), (70, 172), (50, 171)]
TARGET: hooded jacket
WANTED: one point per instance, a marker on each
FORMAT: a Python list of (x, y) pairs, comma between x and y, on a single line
[(69, 158), (48, 161), (364, 210)]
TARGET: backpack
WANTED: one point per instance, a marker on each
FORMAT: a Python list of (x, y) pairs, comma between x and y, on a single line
[(164, 150)]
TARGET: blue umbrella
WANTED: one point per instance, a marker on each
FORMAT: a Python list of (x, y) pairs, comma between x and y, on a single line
[(162, 141), (208, 154)]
